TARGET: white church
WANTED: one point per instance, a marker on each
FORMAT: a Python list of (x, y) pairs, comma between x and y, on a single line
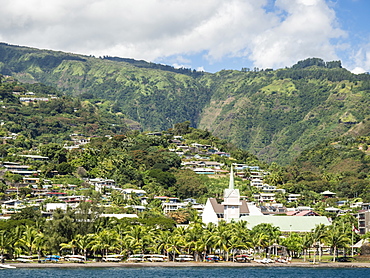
[(231, 208)]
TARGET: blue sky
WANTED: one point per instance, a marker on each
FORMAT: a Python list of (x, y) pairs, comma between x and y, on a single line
[(208, 35)]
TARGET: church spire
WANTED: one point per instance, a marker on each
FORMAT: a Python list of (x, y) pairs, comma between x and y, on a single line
[(231, 182)]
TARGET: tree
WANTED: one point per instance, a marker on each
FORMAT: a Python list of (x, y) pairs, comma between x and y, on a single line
[(28, 239), (306, 244), (54, 151), (65, 168), (104, 241), (189, 184), (30, 213), (6, 241), (181, 128), (39, 244), (166, 179), (317, 236), (336, 238), (83, 242)]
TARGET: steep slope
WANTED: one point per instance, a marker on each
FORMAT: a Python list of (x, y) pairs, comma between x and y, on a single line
[(155, 98), (273, 114), (277, 114), (54, 118)]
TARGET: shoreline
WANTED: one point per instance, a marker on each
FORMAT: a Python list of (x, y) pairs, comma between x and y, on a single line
[(186, 264)]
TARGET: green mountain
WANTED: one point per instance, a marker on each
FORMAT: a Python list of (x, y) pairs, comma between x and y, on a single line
[(274, 114), (38, 112)]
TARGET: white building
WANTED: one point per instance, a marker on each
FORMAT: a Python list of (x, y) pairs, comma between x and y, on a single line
[(231, 208)]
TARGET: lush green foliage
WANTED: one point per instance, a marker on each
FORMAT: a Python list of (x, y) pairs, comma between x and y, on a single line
[(61, 115), (98, 237), (272, 114), (341, 166)]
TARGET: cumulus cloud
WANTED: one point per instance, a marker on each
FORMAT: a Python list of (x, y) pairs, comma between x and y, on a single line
[(305, 30), (151, 30), (361, 60)]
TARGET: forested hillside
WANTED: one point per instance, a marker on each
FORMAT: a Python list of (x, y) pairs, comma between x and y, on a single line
[(274, 114), (38, 112)]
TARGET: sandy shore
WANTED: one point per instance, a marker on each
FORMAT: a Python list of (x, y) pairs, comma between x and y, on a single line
[(185, 264)]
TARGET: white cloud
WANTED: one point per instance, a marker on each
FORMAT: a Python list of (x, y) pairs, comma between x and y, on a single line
[(153, 29), (305, 31), (361, 60)]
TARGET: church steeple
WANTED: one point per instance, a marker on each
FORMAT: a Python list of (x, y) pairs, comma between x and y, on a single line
[(231, 201), (231, 182)]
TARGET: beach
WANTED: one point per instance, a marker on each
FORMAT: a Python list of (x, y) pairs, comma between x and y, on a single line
[(188, 264)]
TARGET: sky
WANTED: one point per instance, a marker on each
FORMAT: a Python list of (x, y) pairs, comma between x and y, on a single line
[(207, 35)]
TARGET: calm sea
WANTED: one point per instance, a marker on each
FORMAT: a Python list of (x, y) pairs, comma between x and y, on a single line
[(207, 272)]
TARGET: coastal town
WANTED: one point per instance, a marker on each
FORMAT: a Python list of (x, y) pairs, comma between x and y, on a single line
[(267, 226)]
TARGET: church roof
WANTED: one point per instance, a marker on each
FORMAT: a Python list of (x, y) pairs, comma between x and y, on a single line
[(244, 207), (218, 208)]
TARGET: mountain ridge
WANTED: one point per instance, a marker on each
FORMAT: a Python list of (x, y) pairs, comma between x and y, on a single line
[(274, 114)]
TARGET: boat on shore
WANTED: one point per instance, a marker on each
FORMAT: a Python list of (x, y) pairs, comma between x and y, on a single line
[(155, 258), (6, 266), (185, 258)]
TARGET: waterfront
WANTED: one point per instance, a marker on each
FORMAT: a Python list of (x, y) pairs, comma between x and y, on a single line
[(181, 272)]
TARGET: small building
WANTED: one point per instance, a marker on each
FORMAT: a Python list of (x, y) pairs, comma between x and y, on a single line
[(50, 207), (363, 218), (293, 197), (100, 183), (264, 198), (127, 192), (328, 194), (204, 171), (34, 157), (171, 207)]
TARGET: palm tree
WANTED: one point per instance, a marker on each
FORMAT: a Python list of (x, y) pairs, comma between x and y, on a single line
[(306, 244), (141, 236), (128, 245), (259, 241), (235, 243), (336, 238), (71, 245), (221, 238), (317, 235), (265, 234), (193, 235), (84, 242), (162, 242), (28, 238), (173, 245), (104, 241), (294, 244), (6, 242), (203, 244), (39, 244)]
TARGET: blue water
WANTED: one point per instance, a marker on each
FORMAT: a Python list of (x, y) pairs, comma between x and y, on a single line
[(174, 272)]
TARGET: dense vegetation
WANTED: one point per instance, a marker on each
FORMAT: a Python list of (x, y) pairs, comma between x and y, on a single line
[(274, 114), (53, 120), (341, 166), (66, 234), (138, 160)]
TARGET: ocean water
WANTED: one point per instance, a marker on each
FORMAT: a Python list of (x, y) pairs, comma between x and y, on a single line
[(174, 272)]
